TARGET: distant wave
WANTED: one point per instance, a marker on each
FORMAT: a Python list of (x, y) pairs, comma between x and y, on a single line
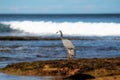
[(68, 28)]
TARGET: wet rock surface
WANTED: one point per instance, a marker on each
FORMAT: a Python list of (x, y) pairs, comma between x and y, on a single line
[(74, 69)]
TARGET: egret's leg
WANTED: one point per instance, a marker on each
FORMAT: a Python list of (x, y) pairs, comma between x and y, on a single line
[(71, 53), (69, 56)]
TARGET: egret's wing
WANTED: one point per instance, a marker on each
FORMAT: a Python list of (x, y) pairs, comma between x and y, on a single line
[(68, 44)]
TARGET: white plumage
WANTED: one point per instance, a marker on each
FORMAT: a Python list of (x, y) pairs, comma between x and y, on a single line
[(68, 45)]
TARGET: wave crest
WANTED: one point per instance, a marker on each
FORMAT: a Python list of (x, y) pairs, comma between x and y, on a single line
[(68, 28)]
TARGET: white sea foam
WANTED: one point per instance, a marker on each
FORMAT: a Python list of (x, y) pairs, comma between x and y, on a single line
[(68, 28)]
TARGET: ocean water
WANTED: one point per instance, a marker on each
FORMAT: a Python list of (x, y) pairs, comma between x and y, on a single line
[(94, 36), (75, 25)]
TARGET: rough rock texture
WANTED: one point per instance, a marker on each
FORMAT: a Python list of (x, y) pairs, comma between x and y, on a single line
[(76, 69)]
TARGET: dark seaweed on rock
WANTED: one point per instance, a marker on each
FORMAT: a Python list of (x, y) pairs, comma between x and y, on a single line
[(25, 38), (45, 37)]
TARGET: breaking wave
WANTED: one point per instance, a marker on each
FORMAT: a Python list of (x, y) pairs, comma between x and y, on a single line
[(6, 28), (68, 28)]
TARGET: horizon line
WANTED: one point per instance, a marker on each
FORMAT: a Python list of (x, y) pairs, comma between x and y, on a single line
[(52, 13)]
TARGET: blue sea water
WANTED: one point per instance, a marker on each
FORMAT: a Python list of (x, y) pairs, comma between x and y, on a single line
[(94, 36), (70, 24)]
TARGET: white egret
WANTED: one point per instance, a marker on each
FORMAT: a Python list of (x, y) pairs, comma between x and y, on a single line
[(68, 45)]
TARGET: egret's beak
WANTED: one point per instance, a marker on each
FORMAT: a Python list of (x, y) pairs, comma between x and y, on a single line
[(57, 32), (60, 33)]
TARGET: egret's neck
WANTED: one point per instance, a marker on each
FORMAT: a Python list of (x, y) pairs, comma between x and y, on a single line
[(61, 35)]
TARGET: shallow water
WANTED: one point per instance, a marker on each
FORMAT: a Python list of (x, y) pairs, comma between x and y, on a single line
[(32, 50), (13, 77)]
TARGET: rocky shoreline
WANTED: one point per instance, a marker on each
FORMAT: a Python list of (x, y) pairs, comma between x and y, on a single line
[(48, 38), (85, 69)]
